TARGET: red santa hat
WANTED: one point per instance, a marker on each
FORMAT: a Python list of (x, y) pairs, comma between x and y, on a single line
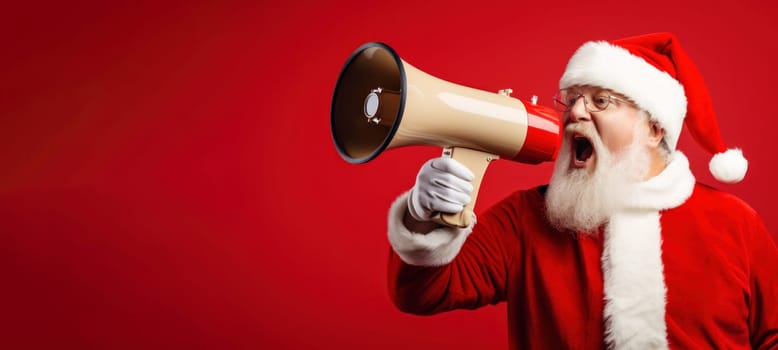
[(656, 73)]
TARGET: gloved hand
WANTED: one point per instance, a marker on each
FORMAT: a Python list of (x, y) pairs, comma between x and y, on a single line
[(442, 185)]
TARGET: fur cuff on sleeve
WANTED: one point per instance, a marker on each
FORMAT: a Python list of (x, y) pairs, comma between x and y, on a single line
[(438, 247)]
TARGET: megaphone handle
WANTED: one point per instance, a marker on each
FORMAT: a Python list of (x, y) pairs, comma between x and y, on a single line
[(476, 161)]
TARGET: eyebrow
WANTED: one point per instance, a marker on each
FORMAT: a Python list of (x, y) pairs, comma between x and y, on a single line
[(621, 98), (617, 95)]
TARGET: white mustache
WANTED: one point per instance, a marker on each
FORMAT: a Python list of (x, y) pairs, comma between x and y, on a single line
[(581, 128), (587, 130)]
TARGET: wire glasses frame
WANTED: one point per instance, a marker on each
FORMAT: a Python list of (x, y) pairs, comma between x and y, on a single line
[(593, 102)]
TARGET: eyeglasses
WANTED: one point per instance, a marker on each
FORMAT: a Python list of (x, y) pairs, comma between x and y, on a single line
[(595, 101)]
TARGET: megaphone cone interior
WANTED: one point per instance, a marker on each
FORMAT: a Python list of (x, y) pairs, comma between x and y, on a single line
[(368, 102)]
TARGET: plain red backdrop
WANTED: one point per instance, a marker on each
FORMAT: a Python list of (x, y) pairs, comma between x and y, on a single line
[(168, 178)]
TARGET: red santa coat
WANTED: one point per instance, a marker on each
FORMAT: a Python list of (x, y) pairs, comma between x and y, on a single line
[(682, 266)]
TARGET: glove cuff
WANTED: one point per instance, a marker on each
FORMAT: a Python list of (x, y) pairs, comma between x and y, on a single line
[(438, 247)]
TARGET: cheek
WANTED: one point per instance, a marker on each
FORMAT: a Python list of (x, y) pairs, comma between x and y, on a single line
[(617, 136)]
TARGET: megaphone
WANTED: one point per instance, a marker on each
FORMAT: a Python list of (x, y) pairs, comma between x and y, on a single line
[(382, 102)]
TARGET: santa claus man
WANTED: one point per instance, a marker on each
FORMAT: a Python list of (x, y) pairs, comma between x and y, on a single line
[(623, 249)]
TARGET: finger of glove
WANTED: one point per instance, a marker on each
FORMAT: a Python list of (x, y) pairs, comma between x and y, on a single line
[(448, 182), (447, 208), (452, 166), (426, 206), (415, 207), (431, 177), (443, 200)]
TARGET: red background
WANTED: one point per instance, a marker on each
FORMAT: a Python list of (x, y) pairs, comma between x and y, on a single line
[(168, 178)]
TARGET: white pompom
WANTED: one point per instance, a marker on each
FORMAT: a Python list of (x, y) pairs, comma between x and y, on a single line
[(729, 166)]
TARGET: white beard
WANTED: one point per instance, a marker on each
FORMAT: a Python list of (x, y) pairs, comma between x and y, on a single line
[(579, 201)]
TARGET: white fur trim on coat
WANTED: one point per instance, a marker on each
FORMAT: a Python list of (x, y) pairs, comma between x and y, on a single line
[(634, 285), (599, 63), (436, 248), (633, 271), (668, 189)]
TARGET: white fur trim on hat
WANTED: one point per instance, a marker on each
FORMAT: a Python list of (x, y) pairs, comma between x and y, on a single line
[(438, 247), (599, 63), (729, 166)]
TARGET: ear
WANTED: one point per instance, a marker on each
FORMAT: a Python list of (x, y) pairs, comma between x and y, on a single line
[(655, 134)]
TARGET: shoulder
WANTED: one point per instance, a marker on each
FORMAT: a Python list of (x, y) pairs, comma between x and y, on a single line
[(714, 200), (714, 208)]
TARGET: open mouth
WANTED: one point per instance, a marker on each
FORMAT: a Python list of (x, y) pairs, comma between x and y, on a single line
[(583, 148)]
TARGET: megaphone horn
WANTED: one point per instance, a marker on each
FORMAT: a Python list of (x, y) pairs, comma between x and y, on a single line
[(382, 102)]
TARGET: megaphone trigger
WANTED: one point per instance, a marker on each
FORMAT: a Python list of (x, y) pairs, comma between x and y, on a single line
[(477, 162)]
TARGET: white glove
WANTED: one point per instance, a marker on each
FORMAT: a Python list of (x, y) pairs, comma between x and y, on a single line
[(442, 186)]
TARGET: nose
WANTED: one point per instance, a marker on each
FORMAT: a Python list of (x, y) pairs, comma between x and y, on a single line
[(578, 111)]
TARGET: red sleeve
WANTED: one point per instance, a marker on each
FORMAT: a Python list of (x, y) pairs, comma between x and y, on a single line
[(763, 302), (478, 274)]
